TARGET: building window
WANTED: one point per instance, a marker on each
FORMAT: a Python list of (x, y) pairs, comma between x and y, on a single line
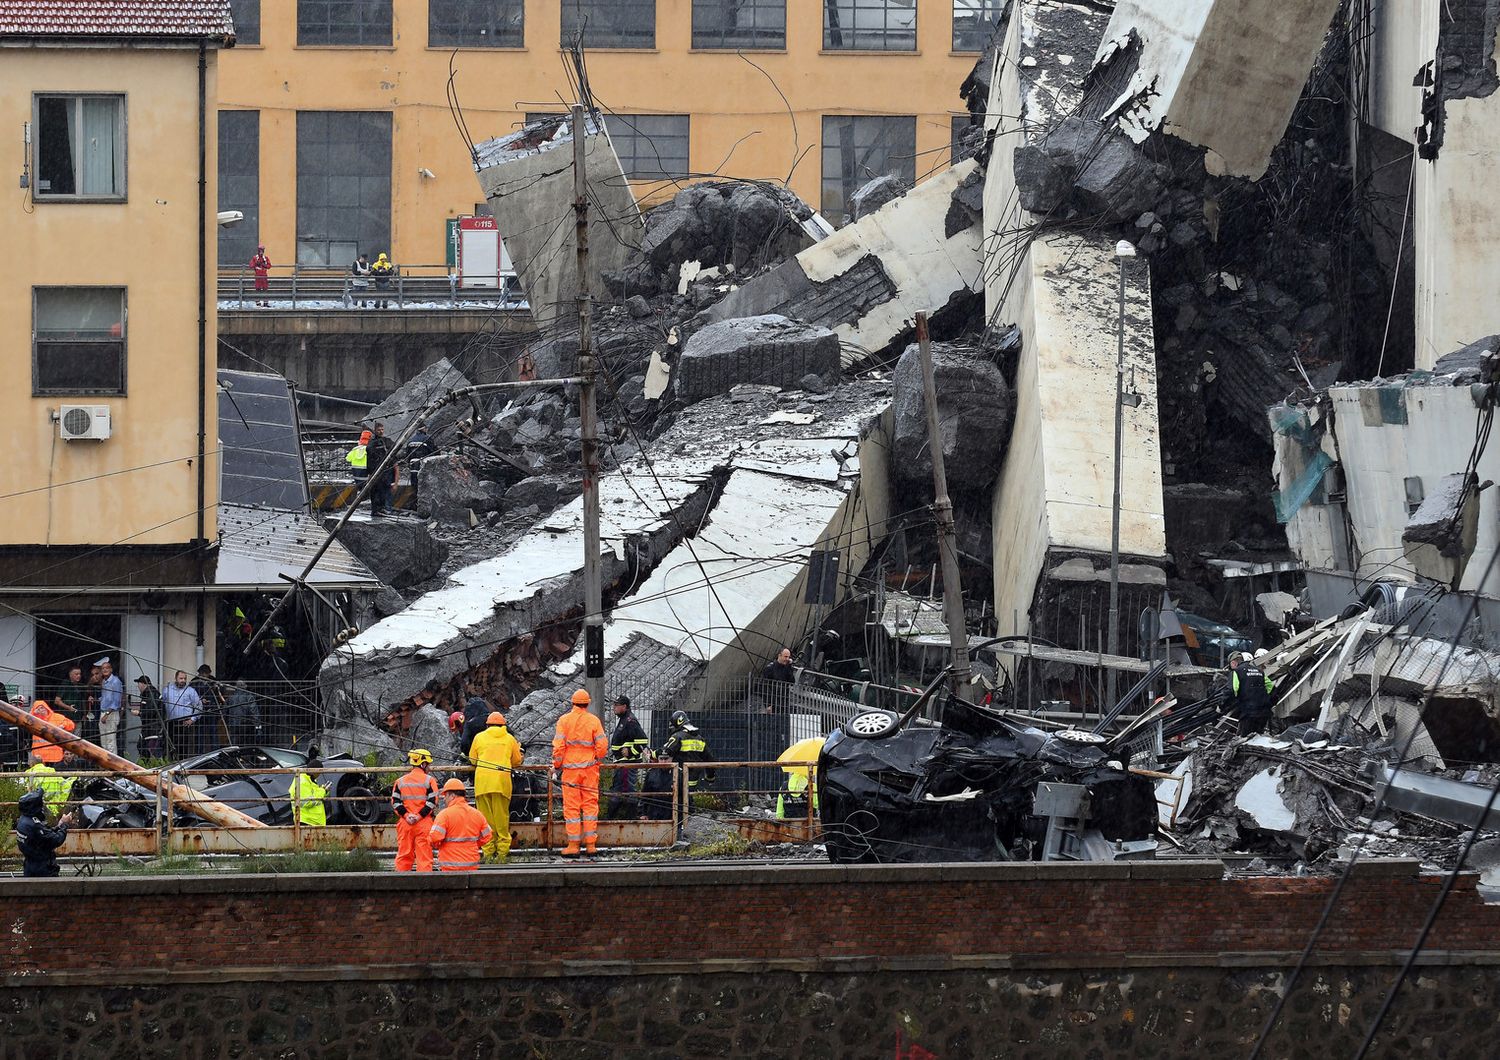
[(859, 148), (78, 340), (246, 15), (739, 23), (80, 147), (476, 24), (870, 25), (239, 183), (974, 21), (343, 185), (609, 23), (650, 146), (353, 22)]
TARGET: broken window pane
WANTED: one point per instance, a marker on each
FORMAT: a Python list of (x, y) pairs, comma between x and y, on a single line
[(343, 185), (352, 22), (650, 146), (609, 23), (870, 25), (246, 15), (859, 148), (476, 24), (79, 340), (739, 23), (974, 21), (80, 147), (239, 183)]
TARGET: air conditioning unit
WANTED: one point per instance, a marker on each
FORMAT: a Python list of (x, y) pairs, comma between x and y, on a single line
[(83, 422)]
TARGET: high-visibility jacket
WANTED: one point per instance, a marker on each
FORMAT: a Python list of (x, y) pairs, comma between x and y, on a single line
[(416, 792), (579, 742), (1252, 696), (308, 797), (796, 790), (55, 789), (458, 835), (41, 747), (359, 456), (688, 745), (629, 742), (494, 752)]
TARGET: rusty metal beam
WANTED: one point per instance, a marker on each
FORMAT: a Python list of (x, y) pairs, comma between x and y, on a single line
[(181, 794)]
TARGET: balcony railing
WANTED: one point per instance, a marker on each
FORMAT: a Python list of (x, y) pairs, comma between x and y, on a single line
[(321, 289)]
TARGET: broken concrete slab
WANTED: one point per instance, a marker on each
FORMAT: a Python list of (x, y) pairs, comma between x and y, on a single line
[(1090, 167), (1440, 535), (401, 551), (975, 408), (527, 177), (875, 194), (869, 279), (766, 349), (1221, 74), (408, 400), (450, 490), (1260, 798), (744, 224)]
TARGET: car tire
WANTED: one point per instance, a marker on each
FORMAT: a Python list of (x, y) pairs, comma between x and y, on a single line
[(871, 725), (359, 805)]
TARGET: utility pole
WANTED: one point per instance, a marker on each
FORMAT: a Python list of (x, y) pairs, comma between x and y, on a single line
[(588, 419), (1123, 250), (942, 509)]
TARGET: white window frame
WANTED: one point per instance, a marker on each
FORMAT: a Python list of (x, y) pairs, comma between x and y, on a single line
[(122, 157)]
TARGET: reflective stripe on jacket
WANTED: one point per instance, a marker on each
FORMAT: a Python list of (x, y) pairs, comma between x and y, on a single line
[(579, 742), (414, 792), (55, 789), (458, 835), (308, 797), (629, 743), (494, 753), (41, 747)]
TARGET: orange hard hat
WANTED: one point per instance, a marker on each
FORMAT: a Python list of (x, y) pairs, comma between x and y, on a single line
[(495, 718), (580, 698), (455, 786)]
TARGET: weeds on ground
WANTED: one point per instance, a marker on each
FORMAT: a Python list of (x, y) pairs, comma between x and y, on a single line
[(10, 793), (360, 859), (167, 865)]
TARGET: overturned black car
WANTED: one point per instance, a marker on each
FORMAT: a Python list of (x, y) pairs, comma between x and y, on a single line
[(114, 802), (976, 788)]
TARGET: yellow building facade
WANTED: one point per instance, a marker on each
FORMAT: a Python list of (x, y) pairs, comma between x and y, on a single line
[(739, 88), (107, 327)]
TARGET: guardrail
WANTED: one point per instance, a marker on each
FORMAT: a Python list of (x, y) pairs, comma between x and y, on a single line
[(329, 289), (145, 823)]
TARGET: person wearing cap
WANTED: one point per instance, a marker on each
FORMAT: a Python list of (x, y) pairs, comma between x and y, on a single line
[(307, 795), (37, 840), (495, 754), (459, 833), (578, 747), (628, 744), (111, 708)]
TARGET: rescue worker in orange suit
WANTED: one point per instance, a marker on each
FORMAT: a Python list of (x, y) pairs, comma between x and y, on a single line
[(414, 799), (459, 833), (495, 754), (43, 749), (577, 749)]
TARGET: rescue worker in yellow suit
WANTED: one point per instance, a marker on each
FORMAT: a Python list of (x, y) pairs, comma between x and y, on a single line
[(578, 747), (414, 799), (459, 832), (495, 753), (307, 796)]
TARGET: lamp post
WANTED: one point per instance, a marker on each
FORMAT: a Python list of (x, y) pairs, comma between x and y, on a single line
[(1123, 250)]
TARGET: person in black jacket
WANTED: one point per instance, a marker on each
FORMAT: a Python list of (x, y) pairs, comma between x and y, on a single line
[(476, 710), (628, 744), (153, 719), (37, 840), (376, 450), (1251, 689)]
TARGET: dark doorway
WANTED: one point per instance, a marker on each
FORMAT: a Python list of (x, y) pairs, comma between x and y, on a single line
[(64, 641)]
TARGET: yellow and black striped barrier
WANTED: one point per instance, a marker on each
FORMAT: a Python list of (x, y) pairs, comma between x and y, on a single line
[(332, 496)]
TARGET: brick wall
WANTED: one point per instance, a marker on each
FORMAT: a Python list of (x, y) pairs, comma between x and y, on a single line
[(606, 920)]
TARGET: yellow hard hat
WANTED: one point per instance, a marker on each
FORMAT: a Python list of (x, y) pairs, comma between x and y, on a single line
[(454, 786), (419, 757), (580, 698)]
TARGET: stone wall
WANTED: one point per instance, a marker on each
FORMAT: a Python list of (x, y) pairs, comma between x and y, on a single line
[(979, 960)]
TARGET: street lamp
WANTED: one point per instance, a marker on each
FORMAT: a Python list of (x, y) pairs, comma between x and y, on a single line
[(1123, 249)]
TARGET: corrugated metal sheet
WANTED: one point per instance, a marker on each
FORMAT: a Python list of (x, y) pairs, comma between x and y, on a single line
[(124, 18), (257, 545)]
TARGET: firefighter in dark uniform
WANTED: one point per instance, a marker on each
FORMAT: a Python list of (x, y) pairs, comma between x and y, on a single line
[(36, 839), (686, 744), (627, 744), (1251, 689)]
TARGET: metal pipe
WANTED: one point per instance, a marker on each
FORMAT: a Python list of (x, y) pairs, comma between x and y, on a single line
[(200, 541), (942, 508), (1111, 686), (214, 812)]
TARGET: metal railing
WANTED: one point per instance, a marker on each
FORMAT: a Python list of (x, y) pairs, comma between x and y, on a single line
[(323, 288), (119, 815)]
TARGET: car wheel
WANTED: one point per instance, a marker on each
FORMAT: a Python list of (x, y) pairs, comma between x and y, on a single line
[(359, 805), (871, 725)]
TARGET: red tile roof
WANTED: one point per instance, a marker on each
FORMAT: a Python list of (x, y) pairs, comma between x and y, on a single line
[(116, 18)]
